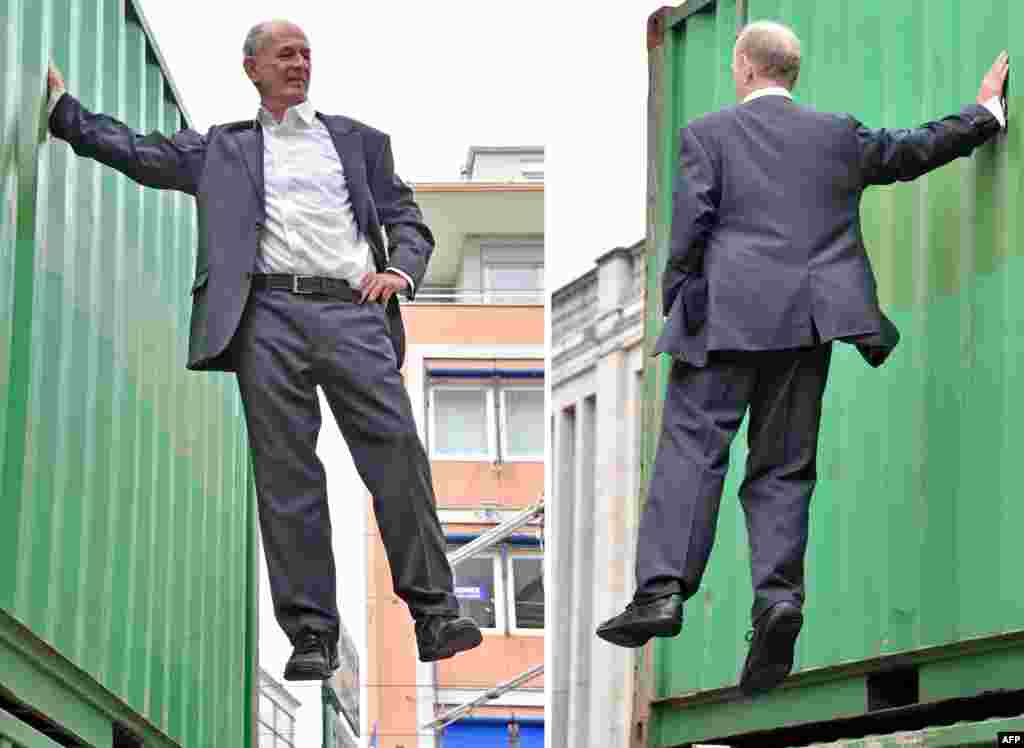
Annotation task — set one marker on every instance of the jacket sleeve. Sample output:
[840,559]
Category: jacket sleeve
[695,203]
[410,242]
[152,160]
[887,156]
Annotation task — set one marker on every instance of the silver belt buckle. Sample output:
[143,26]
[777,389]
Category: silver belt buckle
[295,284]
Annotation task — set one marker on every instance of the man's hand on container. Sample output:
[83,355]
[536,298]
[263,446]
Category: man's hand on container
[54,80]
[995,78]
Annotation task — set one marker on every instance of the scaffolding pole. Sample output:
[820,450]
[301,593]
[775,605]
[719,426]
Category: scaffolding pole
[457,713]
[496,534]
[486,541]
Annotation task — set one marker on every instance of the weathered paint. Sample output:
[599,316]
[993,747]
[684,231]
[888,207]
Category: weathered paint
[127,540]
[916,517]
[980,734]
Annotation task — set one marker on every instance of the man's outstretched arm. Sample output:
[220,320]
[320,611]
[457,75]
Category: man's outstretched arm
[888,155]
[151,160]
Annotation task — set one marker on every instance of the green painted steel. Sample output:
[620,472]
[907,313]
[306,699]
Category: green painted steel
[127,535]
[916,519]
[961,735]
[16,734]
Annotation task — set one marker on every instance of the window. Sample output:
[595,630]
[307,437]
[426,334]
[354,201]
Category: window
[523,423]
[527,592]
[525,281]
[462,423]
[502,590]
[477,588]
[485,419]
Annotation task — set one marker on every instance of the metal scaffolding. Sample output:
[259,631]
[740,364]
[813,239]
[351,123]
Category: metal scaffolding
[458,712]
[497,534]
[486,541]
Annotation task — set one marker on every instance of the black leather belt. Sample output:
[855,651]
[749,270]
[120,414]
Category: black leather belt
[306,284]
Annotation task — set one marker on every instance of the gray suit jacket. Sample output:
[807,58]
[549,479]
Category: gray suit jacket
[223,170]
[766,245]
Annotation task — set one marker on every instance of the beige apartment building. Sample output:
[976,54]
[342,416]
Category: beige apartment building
[474,369]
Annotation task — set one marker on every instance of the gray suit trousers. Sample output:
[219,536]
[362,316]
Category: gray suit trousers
[285,347]
[703,410]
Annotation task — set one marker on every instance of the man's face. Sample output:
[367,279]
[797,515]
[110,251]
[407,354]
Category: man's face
[282,67]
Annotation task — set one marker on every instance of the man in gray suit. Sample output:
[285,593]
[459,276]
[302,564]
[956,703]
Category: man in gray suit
[295,289]
[766,269]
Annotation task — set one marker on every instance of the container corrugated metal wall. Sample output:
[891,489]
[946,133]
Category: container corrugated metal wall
[127,535]
[916,520]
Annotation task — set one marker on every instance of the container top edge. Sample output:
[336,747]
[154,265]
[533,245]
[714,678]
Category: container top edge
[179,100]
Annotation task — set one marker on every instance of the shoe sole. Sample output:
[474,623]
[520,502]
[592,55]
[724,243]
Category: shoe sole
[622,638]
[306,671]
[777,661]
[465,637]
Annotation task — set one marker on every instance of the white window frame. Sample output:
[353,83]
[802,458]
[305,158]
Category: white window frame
[492,453]
[280,726]
[500,605]
[504,388]
[511,594]
[490,295]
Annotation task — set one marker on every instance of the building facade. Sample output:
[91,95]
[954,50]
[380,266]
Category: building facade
[474,370]
[504,164]
[276,714]
[596,367]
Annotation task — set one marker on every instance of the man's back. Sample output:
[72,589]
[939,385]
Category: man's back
[786,247]
[767,211]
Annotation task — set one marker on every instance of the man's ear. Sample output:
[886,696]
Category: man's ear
[250,71]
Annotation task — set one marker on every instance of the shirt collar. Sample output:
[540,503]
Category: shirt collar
[770,91]
[304,112]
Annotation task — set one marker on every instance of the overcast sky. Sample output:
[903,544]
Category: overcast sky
[440,77]
[595,189]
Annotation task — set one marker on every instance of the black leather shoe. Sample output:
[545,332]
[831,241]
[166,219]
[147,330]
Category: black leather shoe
[639,622]
[441,637]
[315,657]
[771,648]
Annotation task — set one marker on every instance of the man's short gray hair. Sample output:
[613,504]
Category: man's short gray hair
[773,49]
[258,36]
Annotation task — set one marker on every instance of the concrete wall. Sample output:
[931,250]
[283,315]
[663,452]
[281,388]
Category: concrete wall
[596,363]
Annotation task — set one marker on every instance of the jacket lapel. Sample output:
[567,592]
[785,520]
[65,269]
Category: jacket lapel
[250,141]
[349,145]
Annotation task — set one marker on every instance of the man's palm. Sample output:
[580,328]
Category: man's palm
[54,80]
[992,83]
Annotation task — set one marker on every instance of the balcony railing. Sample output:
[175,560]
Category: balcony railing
[442,295]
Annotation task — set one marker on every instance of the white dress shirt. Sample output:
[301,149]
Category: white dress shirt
[310,228]
[994,105]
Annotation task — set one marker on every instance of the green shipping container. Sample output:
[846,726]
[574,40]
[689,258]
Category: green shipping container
[127,527]
[916,524]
